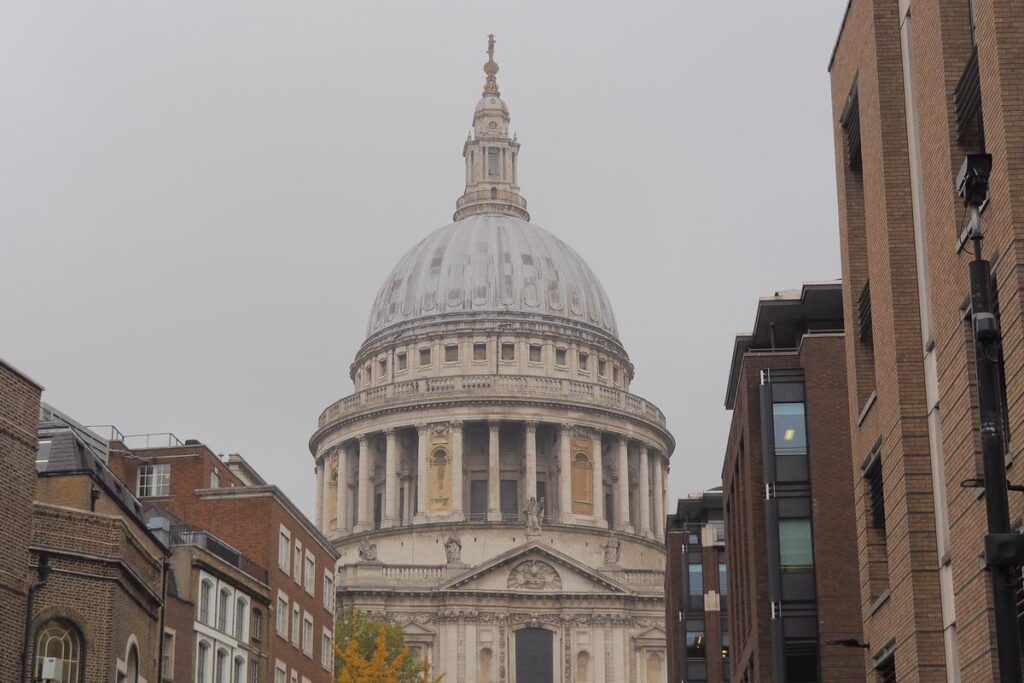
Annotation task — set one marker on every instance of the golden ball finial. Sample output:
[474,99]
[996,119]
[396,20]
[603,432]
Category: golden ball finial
[491,68]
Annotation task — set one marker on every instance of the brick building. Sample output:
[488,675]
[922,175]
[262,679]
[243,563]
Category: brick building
[916,86]
[788,495]
[696,590]
[19,416]
[96,613]
[229,501]
[218,603]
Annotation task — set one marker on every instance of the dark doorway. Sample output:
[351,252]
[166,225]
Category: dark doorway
[509,500]
[378,509]
[534,656]
[478,499]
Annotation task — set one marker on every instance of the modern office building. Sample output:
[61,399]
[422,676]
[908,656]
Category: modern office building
[788,495]
[916,86]
[696,590]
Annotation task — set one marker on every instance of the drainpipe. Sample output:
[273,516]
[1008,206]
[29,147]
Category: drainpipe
[163,615]
[43,572]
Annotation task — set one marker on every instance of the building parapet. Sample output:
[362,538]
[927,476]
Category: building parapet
[415,391]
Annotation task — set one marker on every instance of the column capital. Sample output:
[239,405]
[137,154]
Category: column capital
[566,427]
[422,428]
[455,424]
[494,425]
[531,425]
[363,439]
[390,432]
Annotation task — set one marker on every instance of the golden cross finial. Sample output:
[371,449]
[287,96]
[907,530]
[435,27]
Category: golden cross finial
[491,69]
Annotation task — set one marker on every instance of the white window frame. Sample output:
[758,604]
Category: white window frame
[297,566]
[282,669]
[157,478]
[328,589]
[327,655]
[307,634]
[211,610]
[210,663]
[168,653]
[224,622]
[241,611]
[215,479]
[284,550]
[283,615]
[296,624]
[295,676]
[309,574]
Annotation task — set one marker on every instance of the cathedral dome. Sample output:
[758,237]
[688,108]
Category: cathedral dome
[489,264]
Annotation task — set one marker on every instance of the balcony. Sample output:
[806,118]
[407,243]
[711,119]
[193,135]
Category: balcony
[184,534]
[418,392]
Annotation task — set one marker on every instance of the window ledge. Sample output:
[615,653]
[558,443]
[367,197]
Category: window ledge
[879,601]
[867,408]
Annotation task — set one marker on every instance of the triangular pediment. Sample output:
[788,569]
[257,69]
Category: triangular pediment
[534,568]
[414,629]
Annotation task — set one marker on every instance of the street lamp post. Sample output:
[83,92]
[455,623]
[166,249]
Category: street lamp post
[1004,550]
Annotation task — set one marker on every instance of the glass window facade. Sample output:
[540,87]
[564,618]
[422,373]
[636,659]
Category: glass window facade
[796,550]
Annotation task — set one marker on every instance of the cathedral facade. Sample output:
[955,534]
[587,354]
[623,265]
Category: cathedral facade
[492,485]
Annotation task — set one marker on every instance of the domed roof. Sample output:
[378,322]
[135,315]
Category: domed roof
[490,263]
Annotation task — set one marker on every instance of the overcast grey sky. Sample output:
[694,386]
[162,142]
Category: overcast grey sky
[198,200]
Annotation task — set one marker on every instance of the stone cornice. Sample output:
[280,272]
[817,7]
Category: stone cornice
[335,426]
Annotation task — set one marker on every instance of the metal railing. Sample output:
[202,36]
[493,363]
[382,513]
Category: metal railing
[512,386]
[185,534]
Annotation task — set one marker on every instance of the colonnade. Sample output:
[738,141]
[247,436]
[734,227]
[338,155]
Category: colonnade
[577,466]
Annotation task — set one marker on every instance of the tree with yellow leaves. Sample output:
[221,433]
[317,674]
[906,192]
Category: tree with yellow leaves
[371,651]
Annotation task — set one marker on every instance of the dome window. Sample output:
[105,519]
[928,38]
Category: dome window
[602,368]
[584,362]
[615,374]
[480,351]
[535,353]
[508,351]
[401,362]
[383,367]
[560,357]
[424,357]
[451,353]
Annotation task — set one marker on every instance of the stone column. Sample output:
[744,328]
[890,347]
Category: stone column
[363,496]
[598,484]
[659,498]
[391,480]
[321,494]
[531,460]
[565,472]
[421,474]
[494,472]
[340,494]
[457,476]
[645,493]
[341,523]
[622,489]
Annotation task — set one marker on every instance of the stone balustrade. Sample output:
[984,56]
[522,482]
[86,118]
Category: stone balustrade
[416,391]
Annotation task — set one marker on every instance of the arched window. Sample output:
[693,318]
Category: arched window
[241,609]
[257,624]
[223,603]
[59,639]
[202,661]
[205,593]
[221,667]
[239,675]
[132,665]
[494,193]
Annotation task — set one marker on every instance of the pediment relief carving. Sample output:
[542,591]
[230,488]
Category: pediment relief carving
[534,575]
